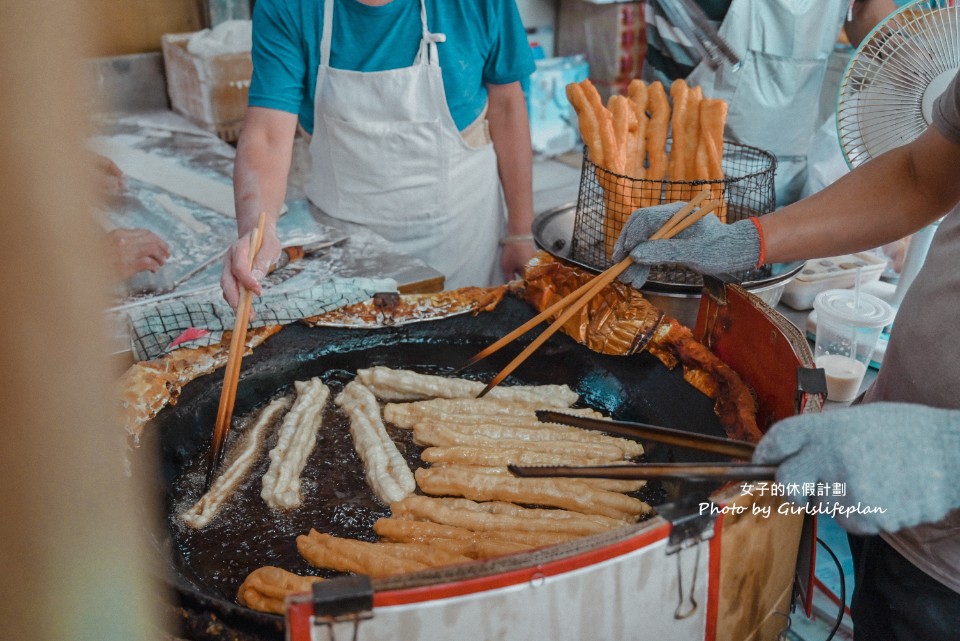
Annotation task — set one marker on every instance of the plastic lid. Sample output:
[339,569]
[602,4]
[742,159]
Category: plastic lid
[838,305]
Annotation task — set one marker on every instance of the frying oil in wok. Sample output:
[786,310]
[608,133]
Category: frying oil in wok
[247,534]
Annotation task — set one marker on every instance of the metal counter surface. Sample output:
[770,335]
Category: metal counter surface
[166,159]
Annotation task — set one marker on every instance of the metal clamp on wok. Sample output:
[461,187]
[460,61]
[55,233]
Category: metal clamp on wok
[811,383]
[691,525]
[312,616]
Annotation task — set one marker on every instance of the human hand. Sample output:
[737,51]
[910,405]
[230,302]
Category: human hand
[136,250]
[235,272]
[110,179]
[708,246]
[898,462]
[515,256]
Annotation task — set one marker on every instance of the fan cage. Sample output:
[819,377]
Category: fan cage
[881,97]
[607,199]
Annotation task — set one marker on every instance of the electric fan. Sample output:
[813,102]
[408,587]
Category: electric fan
[888,89]
[886,100]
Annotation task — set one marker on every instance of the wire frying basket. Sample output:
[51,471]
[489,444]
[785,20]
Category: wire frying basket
[606,200]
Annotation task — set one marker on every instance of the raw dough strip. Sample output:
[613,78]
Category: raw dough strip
[407,531]
[203,511]
[386,470]
[499,515]
[428,434]
[491,484]
[404,385]
[533,432]
[265,588]
[372,559]
[298,436]
[182,214]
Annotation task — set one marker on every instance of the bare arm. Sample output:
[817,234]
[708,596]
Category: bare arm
[259,184]
[510,133]
[888,198]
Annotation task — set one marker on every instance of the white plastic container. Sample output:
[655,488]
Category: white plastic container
[838,272]
[848,328]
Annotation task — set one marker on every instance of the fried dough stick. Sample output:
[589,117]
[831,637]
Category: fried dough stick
[402,414]
[408,417]
[203,511]
[619,191]
[372,559]
[403,385]
[611,149]
[691,126]
[298,436]
[387,472]
[713,118]
[447,436]
[478,549]
[588,122]
[491,484]
[501,457]
[624,123]
[265,588]
[679,94]
[613,485]
[638,95]
[407,531]
[691,141]
[499,515]
[656,139]
[534,432]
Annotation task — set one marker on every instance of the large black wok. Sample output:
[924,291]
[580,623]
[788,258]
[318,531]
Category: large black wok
[205,568]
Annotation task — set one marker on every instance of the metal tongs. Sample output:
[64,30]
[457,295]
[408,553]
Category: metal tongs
[732,471]
[688,18]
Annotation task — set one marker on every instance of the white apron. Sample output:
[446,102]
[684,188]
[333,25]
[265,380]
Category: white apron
[387,154]
[783,46]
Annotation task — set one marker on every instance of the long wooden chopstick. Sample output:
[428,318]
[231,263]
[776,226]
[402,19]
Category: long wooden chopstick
[577,293]
[674,226]
[231,374]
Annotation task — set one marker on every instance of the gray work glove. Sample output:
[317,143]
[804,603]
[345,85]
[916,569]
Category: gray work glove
[709,246]
[897,457]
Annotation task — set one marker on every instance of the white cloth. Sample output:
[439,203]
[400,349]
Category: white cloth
[825,162]
[387,154]
[783,46]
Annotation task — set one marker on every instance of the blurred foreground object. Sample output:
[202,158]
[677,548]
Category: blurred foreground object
[69,528]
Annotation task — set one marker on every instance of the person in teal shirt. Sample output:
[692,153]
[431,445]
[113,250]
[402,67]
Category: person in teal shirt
[486,43]
[478,57]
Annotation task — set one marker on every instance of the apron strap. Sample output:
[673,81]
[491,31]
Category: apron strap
[428,41]
[327,34]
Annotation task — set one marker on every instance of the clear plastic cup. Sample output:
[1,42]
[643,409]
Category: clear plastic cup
[849,324]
